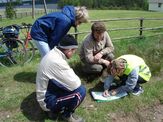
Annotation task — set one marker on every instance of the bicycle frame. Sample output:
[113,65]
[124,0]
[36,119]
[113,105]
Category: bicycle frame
[27,35]
[30,48]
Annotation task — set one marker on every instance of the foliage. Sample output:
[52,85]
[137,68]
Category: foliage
[87,3]
[62,3]
[10,12]
[105,4]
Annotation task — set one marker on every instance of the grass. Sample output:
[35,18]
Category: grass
[17,83]
[109,14]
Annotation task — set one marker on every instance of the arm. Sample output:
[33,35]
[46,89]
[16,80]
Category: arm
[107,84]
[88,46]
[64,75]
[109,45]
[131,81]
[106,49]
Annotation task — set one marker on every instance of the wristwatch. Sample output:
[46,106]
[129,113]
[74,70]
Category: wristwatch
[102,52]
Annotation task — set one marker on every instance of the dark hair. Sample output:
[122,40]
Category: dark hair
[98,27]
[68,42]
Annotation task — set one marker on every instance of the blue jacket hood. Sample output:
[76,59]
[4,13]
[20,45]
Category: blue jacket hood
[69,11]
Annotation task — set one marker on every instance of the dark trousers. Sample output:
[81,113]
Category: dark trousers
[65,101]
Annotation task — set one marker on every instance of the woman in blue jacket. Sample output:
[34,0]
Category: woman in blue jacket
[49,29]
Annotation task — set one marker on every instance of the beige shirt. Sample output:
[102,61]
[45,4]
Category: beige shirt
[90,47]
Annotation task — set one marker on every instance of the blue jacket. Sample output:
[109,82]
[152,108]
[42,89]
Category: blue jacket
[52,27]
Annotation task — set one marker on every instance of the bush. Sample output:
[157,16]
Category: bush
[10,12]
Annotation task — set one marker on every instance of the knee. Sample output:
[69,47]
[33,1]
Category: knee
[111,56]
[96,68]
[82,91]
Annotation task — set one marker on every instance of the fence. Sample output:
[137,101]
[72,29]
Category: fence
[140,28]
[28,13]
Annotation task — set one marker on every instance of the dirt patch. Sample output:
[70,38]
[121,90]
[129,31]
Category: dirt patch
[7,114]
[150,114]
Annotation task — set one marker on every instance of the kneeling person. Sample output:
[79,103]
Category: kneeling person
[131,71]
[97,49]
[58,88]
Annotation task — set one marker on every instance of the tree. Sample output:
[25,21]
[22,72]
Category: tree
[62,3]
[87,3]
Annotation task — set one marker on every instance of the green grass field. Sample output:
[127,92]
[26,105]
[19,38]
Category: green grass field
[17,83]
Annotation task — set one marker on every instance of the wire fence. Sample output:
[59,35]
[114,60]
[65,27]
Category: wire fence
[20,14]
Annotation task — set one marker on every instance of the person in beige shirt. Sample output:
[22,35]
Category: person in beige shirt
[96,50]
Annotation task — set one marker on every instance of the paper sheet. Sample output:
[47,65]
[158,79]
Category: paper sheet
[99,97]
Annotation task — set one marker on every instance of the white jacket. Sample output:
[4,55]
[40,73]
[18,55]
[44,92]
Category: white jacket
[54,66]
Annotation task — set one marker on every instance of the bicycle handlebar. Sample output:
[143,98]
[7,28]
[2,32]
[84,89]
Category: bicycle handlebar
[25,25]
[1,28]
[22,26]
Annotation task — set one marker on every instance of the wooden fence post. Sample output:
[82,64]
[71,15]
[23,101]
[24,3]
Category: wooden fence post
[141,27]
[76,35]
[33,9]
[0,17]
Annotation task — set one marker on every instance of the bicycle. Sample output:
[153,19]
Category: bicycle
[12,50]
[29,46]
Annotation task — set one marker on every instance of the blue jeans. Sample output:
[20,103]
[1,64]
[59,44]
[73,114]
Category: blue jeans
[140,81]
[43,47]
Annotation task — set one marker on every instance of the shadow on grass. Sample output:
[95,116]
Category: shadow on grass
[25,77]
[78,69]
[98,87]
[31,109]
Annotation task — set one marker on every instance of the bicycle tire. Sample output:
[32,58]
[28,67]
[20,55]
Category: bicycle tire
[19,53]
[5,59]
[30,50]
[12,55]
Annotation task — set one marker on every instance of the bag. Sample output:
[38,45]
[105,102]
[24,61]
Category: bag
[11,43]
[11,31]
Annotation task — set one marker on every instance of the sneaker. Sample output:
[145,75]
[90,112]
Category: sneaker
[73,118]
[138,91]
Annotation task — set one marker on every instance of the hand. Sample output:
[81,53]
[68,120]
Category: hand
[106,62]
[97,56]
[113,92]
[106,93]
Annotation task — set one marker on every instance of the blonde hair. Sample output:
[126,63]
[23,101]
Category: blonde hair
[82,13]
[118,63]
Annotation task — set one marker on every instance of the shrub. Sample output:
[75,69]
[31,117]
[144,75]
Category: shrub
[10,12]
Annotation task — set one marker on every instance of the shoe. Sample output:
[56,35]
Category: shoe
[138,91]
[73,118]
[52,115]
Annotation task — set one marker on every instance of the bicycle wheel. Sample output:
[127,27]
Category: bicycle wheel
[18,52]
[11,52]
[30,49]
[4,55]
